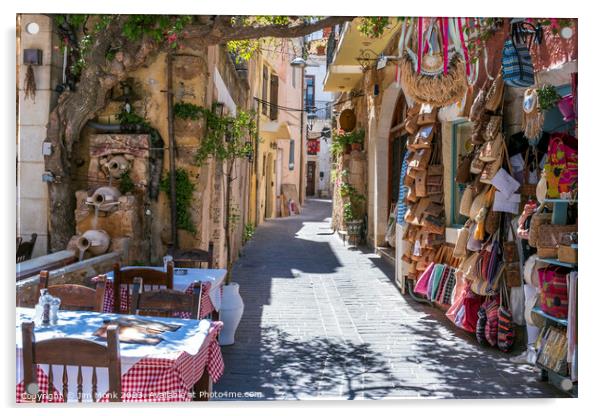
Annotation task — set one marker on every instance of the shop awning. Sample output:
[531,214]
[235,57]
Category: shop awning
[275,130]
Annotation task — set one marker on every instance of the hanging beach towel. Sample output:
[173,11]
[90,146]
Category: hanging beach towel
[402,207]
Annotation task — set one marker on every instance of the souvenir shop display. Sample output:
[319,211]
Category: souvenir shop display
[516,252]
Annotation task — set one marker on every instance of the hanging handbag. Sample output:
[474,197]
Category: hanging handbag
[411,121]
[505,338]
[491,326]
[492,221]
[494,126]
[481,323]
[466,200]
[420,159]
[427,115]
[495,94]
[477,136]
[423,280]
[423,138]
[478,105]
[474,244]
[548,239]
[517,67]
[491,168]
[492,150]
[537,220]
[554,291]
[529,187]
[463,169]
[477,165]
[435,225]
[420,183]
[462,241]
[479,201]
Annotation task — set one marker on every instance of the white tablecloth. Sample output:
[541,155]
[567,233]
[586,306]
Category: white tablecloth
[182,281]
[188,338]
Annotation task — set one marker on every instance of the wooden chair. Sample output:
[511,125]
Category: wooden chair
[75,297]
[125,278]
[72,352]
[194,257]
[164,302]
[24,249]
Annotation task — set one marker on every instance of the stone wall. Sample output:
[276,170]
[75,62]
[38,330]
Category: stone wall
[76,273]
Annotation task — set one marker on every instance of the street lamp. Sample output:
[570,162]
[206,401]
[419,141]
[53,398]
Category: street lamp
[299,62]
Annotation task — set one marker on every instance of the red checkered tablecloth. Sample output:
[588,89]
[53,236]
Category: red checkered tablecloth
[156,379]
[206,306]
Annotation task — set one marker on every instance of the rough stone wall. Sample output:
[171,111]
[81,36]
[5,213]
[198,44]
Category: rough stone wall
[193,82]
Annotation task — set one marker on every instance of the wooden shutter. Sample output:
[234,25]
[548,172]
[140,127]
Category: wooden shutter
[274,97]
[264,90]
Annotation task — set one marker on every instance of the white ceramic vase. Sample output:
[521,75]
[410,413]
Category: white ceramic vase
[230,313]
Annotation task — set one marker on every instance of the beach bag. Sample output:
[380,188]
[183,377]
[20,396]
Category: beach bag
[554,299]
[494,126]
[537,220]
[471,304]
[431,75]
[423,280]
[506,330]
[549,237]
[463,170]
[495,94]
[561,166]
[491,325]
[517,66]
[462,241]
[478,105]
[481,323]
[492,149]
[466,201]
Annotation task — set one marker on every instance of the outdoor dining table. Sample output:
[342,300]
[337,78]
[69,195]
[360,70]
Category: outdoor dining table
[166,371]
[212,281]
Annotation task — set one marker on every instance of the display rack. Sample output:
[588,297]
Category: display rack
[560,381]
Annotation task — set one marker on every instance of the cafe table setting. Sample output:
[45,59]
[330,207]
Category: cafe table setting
[163,366]
[212,281]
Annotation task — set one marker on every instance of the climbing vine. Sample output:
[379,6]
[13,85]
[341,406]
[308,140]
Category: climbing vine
[227,136]
[184,190]
[187,111]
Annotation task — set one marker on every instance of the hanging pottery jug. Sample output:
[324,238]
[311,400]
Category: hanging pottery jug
[105,198]
[96,242]
[230,313]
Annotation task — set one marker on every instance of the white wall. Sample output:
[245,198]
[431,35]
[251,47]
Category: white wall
[321,97]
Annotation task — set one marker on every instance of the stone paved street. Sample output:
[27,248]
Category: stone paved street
[325,321]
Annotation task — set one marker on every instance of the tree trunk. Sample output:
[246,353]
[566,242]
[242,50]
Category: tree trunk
[74,109]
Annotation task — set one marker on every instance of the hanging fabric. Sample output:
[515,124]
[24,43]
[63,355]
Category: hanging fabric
[403,191]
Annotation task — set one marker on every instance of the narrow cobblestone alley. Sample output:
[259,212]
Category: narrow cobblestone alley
[325,321]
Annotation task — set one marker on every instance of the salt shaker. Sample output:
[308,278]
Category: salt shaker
[43,307]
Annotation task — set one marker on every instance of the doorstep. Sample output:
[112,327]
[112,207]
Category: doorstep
[386,253]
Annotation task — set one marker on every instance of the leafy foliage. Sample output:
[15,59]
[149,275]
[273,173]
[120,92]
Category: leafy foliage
[126,184]
[226,136]
[131,119]
[248,232]
[184,190]
[187,111]
[341,140]
[547,97]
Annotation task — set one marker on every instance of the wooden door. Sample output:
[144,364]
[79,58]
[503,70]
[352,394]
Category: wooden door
[311,179]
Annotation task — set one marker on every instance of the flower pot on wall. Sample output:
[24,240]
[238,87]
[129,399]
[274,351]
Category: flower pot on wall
[230,313]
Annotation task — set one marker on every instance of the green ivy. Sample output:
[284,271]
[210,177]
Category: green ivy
[126,184]
[227,137]
[248,232]
[184,190]
[187,111]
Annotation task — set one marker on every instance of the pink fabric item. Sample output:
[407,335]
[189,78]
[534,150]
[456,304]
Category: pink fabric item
[419,45]
[464,49]
[423,280]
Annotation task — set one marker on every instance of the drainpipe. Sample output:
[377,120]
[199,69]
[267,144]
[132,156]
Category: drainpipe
[172,154]
[257,199]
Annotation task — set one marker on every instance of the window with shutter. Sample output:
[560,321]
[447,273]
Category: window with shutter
[264,91]
[273,97]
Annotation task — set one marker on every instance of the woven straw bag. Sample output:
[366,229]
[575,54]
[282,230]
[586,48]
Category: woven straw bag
[537,220]
[548,239]
[466,201]
[492,149]
[494,125]
[495,94]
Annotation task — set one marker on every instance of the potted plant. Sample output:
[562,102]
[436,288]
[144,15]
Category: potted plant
[547,97]
[356,139]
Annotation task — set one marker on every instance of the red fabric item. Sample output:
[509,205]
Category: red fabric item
[156,379]
[472,303]
[206,306]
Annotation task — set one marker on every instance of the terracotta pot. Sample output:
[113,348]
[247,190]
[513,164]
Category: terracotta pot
[106,198]
[96,242]
[356,146]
